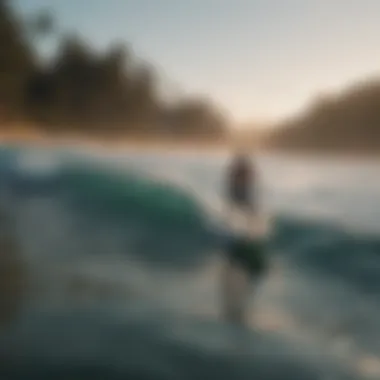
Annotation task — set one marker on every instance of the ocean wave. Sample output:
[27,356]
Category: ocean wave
[77,213]
[172,222]
[166,223]
[149,345]
[329,249]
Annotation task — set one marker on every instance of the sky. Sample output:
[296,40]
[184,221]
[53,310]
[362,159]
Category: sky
[261,60]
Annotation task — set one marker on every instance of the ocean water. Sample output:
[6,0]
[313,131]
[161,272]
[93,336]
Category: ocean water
[121,268]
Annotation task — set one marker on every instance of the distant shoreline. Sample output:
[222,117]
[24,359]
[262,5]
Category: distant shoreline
[328,154]
[30,136]
[131,143]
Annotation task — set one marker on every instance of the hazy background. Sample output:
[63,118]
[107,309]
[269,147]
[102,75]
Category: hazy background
[260,59]
[307,68]
[111,251]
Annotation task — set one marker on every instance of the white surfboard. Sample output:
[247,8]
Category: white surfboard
[243,223]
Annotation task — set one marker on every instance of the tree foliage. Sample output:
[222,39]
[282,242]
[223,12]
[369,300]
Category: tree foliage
[86,91]
[16,64]
[349,121]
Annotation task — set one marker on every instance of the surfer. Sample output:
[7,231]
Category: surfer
[244,262]
[240,183]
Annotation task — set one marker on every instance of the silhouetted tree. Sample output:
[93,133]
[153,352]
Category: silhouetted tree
[346,122]
[88,92]
[43,24]
[16,63]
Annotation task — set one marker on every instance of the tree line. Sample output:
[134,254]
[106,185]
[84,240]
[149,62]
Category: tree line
[84,91]
[348,121]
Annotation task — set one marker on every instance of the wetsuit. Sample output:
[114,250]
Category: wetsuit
[240,183]
[244,255]
[244,251]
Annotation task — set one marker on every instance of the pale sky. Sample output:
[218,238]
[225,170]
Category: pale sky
[259,59]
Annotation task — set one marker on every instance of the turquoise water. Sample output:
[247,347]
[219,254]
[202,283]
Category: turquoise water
[124,264]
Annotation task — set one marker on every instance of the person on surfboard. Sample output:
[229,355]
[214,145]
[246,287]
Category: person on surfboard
[244,260]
